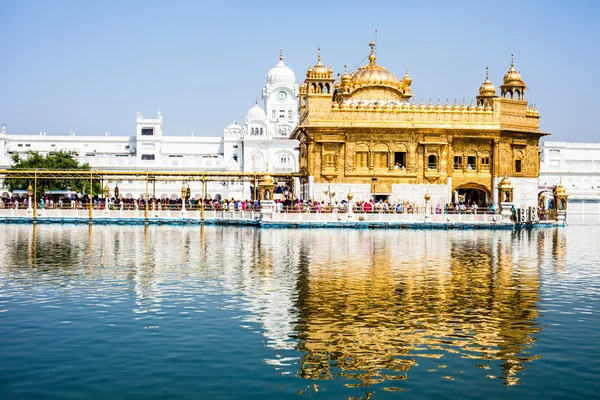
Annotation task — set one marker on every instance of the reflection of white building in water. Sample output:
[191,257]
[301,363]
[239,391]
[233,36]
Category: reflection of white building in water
[578,166]
[261,144]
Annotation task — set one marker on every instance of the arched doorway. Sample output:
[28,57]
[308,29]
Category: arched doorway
[472,193]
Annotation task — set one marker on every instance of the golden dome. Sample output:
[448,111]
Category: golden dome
[560,189]
[487,88]
[427,196]
[373,74]
[407,80]
[505,182]
[346,77]
[267,179]
[513,77]
[319,68]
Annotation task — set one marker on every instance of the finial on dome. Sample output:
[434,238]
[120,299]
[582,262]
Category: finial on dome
[319,56]
[345,66]
[256,101]
[486,73]
[512,60]
[372,56]
[280,54]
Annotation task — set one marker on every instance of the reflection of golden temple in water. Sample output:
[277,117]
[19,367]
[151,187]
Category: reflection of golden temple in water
[374,316]
[368,306]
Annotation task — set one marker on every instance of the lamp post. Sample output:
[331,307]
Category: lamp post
[350,196]
[106,194]
[29,205]
[427,207]
[329,193]
[183,195]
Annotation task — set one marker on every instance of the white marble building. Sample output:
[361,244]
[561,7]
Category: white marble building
[261,144]
[577,165]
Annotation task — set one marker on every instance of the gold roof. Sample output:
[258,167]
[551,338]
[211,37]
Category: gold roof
[505,182]
[319,70]
[513,77]
[376,81]
[487,88]
[560,189]
[373,74]
[267,179]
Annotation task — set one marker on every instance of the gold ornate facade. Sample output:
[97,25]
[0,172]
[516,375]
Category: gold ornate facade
[362,131]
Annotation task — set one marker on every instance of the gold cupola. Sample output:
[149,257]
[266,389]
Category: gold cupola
[487,91]
[319,70]
[513,84]
[407,80]
[374,82]
[319,79]
[487,88]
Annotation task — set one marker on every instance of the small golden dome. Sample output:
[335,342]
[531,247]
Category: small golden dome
[513,77]
[560,189]
[505,183]
[350,196]
[319,68]
[427,196]
[267,179]
[407,80]
[487,88]
[346,77]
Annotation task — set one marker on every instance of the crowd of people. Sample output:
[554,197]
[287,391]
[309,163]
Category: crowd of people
[281,205]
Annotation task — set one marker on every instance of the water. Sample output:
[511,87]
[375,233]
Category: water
[224,312]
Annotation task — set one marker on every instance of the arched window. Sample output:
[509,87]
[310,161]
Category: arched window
[313,88]
[261,131]
[326,88]
[251,131]
[320,88]
[432,162]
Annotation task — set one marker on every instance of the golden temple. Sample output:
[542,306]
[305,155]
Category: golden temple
[361,134]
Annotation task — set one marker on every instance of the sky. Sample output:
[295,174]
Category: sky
[89,66]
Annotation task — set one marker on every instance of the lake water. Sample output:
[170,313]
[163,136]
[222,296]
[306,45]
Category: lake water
[216,312]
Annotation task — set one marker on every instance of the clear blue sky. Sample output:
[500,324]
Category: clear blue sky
[90,65]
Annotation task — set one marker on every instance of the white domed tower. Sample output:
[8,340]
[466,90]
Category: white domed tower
[256,122]
[234,130]
[280,95]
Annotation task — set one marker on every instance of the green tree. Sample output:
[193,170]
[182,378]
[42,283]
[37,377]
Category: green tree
[61,160]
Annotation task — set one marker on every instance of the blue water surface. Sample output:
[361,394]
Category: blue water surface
[227,312]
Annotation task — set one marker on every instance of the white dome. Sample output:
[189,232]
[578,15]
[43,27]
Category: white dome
[256,114]
[280,75]
[234,126]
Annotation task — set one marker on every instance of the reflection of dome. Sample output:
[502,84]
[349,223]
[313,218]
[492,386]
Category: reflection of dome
[280,75]
[256,114]
[487,88]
